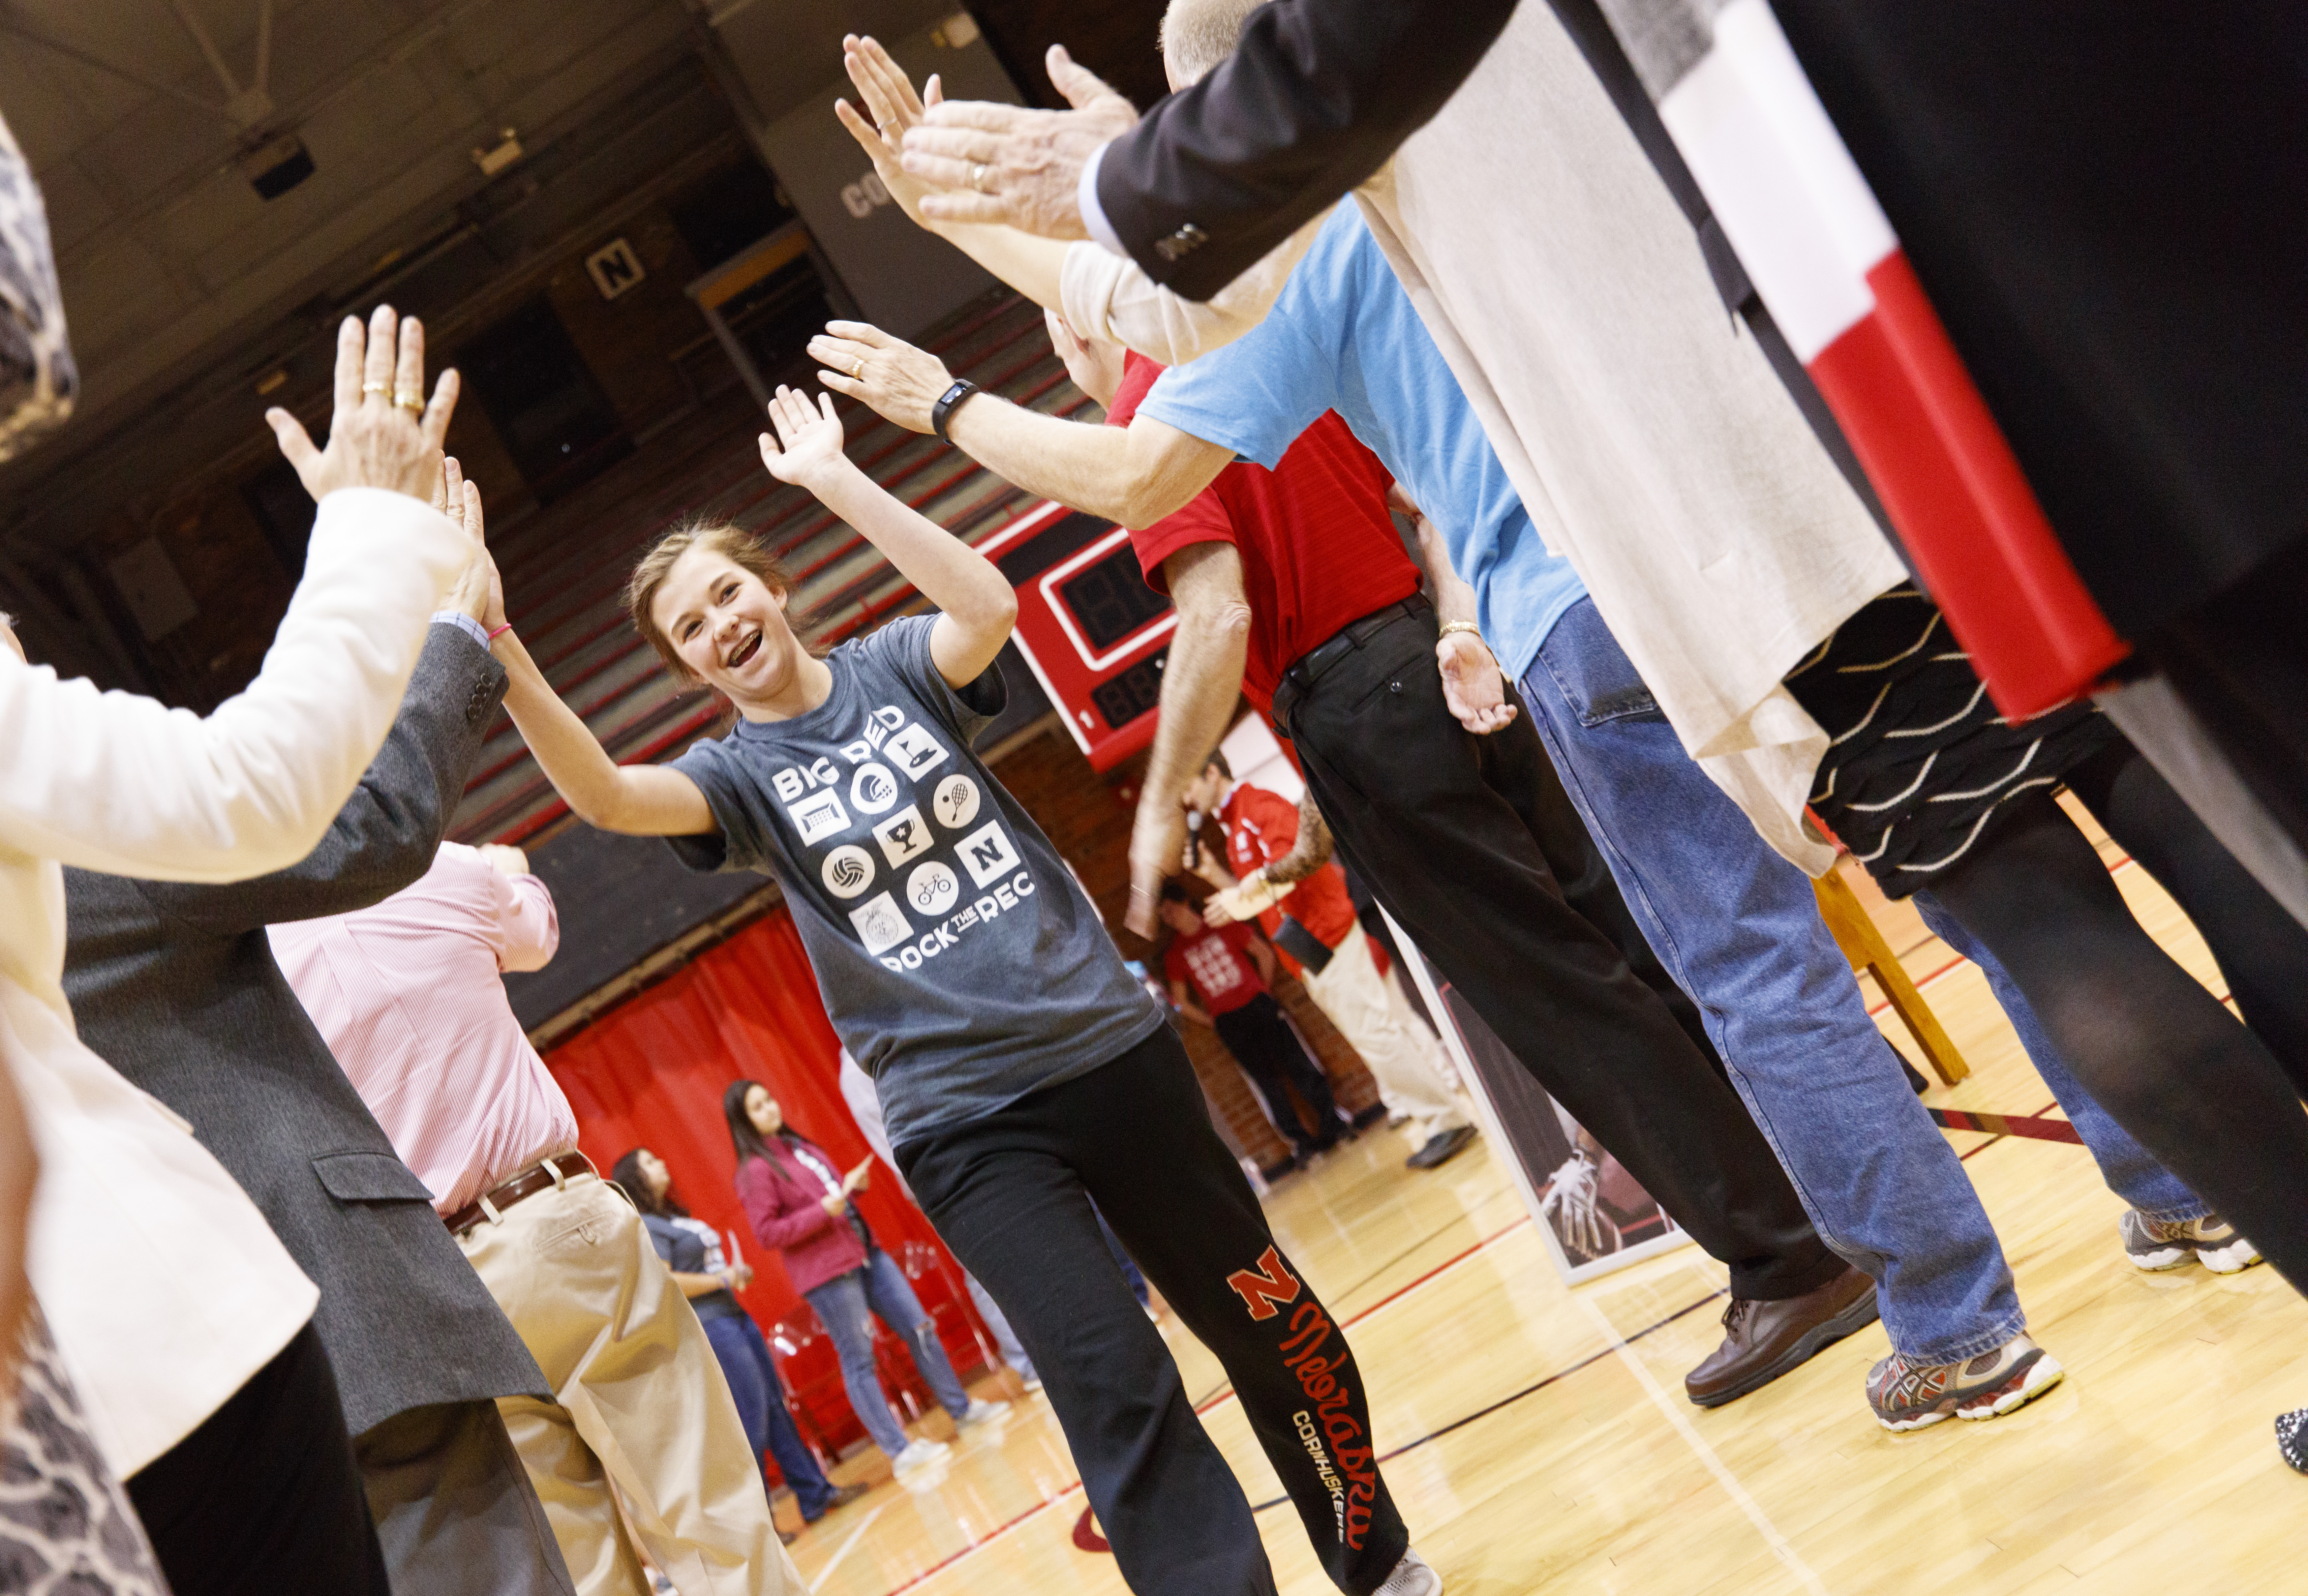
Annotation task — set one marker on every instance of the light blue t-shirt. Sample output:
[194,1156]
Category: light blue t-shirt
[1343,336]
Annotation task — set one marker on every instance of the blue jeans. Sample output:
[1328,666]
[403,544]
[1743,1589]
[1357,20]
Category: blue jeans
[1738,928]
[842,1304]
[761,1409]
[2129,1170]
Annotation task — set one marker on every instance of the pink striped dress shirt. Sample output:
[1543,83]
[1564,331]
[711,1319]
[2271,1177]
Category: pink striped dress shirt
[407,994]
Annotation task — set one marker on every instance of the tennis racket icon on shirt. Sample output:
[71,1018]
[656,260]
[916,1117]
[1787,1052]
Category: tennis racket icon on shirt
[955,802]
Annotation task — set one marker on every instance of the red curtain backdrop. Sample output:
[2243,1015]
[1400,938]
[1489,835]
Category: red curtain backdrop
[651,1073]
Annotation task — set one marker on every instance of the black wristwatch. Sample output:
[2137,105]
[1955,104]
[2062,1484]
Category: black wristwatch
[948,402]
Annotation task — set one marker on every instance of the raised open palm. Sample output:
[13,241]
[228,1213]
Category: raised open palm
[808,441]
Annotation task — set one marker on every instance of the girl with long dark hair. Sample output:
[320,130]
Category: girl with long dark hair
[691,1250]
[798,1201]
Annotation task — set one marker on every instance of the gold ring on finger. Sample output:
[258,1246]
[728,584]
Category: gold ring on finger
[410,399]
[376,387]
[977,177]
[858,370]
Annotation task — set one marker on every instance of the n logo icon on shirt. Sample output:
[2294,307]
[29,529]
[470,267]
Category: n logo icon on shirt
[986,854]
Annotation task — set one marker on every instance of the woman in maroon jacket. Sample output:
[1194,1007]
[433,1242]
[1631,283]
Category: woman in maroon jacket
[799,1202]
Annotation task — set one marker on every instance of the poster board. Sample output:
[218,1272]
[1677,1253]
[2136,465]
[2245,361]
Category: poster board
[1535,1138]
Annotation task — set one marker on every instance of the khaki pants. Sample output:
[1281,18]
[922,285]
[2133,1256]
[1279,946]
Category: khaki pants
[642,1404]
[1404,1057]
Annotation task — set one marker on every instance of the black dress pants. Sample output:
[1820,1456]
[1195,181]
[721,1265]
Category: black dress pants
[265,1496]
[1472,844]
[1011,1194]
[1262,1042]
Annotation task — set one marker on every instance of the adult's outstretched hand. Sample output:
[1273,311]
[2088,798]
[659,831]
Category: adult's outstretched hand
[899,382]
[384,433]
[1005,163]
[891,109]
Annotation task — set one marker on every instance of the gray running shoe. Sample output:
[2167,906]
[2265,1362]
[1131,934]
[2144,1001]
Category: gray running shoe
[1909,1395]
[2211,1241]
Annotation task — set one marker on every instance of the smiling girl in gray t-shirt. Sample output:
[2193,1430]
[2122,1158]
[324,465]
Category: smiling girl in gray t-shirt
[1022,1069]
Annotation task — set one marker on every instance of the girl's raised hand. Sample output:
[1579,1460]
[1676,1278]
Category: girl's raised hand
[808,441]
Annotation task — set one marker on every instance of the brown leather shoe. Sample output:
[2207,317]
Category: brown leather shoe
[1763,1340]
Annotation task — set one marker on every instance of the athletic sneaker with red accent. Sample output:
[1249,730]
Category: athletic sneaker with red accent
[1411,1578]
[1908,1395]
[2211,1241]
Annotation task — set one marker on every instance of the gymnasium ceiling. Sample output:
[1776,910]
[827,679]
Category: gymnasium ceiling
[183,288]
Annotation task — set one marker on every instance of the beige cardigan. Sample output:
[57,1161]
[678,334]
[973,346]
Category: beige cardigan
[163,1285]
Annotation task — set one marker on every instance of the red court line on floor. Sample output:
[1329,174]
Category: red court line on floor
[1039,1508]
[1992,1141]
[2005,1124]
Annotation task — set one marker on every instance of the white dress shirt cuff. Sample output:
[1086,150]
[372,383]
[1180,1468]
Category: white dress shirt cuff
[463,623]
[1093,214]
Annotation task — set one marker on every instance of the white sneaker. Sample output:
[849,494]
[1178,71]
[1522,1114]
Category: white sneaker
[1411,1578]
[980,1411]
[2210,1241]
[919,1454]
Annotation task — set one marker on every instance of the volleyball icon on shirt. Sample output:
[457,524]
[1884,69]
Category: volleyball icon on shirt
[955,802]
[847,871]
[933,888]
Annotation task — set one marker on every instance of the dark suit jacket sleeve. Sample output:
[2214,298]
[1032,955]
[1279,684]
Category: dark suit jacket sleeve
[1317,95]
[386,834]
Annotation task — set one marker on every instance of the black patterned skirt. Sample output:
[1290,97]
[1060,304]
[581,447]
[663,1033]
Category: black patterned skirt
[1919,766]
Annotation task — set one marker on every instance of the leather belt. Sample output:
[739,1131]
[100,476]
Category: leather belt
[547,1175]
[1299,677]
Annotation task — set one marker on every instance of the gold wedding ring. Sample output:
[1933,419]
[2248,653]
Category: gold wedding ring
[858,369]
[978,175]
[376,387]
[409,400]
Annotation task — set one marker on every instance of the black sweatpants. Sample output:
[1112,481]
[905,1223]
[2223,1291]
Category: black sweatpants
[1471,842]
[1010,1195]
[265,1496]
[1269,1051]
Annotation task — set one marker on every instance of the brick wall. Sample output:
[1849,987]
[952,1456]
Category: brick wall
[1086,818]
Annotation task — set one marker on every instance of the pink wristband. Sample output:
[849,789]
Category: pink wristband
[501,631]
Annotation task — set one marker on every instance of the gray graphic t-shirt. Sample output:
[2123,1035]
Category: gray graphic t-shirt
[959,961]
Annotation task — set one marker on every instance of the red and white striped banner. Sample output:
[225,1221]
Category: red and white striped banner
[1823,257]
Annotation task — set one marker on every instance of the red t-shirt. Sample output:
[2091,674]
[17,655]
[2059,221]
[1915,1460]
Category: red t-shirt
[1318,547]
[1212,962]
[1260,828]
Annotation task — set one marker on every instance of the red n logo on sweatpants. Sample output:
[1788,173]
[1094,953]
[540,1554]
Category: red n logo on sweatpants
[1267,1287]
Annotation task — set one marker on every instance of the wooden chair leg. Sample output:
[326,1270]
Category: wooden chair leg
[1855,933]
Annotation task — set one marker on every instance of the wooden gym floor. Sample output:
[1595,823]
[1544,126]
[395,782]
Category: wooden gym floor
[1544,1442]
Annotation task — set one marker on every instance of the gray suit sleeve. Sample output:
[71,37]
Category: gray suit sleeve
[385,836]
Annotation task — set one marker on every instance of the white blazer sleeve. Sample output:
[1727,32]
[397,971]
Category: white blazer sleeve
[114,782]
[1110,297]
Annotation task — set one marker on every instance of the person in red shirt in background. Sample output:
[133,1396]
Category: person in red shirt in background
[1311,921]
[1236,1002]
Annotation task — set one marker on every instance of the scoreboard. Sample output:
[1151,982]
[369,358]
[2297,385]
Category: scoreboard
[1094,634]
